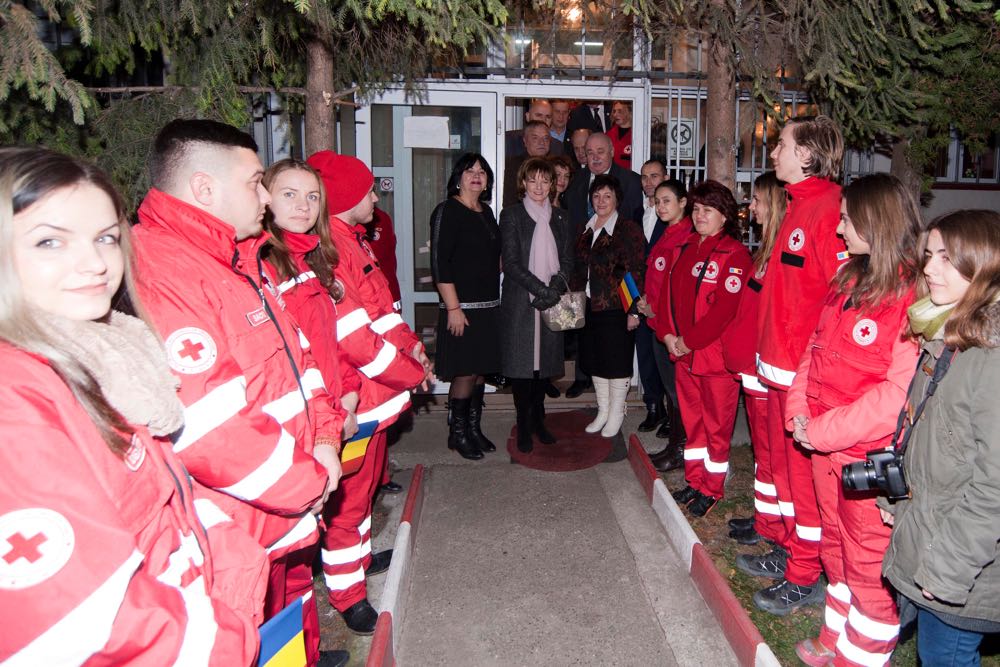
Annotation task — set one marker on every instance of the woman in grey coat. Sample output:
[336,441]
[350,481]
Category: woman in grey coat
[537,259]
[944,557]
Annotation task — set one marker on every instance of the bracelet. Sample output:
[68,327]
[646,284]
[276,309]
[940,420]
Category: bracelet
[455,308]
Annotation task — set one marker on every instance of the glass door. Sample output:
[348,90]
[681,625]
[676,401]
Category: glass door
[411,147]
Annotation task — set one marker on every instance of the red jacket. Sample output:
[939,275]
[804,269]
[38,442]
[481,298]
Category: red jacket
[852,380]
[703,311]
[102,559]
[621,144]
[382,239]
[661,258]
[345,344]
[248,432]
[739,344]
[807,254]
[359,268]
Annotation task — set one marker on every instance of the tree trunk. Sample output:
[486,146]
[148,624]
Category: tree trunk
[721,114]
[320,122]
[903,170]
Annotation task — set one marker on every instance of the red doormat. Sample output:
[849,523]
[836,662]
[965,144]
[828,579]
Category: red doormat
[575,449]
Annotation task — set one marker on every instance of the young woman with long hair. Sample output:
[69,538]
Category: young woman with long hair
[848,389]
[943,557]
[104,559]
[670,203]
[356,363]
[767,206]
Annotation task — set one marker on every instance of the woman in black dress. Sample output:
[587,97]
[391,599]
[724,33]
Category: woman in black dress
[465,261]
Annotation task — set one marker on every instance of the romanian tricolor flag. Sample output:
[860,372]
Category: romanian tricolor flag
[353,451]
[281,642]
[628,291]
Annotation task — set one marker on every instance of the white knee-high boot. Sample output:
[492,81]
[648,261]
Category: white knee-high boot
[601,391]
[617,393]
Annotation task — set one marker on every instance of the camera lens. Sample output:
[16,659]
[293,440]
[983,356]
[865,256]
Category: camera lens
[860,476]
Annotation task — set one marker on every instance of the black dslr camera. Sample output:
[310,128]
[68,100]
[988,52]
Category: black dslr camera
[882,471]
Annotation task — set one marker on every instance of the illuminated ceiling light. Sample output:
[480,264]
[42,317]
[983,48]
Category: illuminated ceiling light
[588,43]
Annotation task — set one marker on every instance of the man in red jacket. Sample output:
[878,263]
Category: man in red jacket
[261,436]
[807,254]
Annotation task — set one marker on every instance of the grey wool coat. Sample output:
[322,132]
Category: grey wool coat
[517,326]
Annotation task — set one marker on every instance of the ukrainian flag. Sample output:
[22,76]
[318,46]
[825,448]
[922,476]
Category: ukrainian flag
[354,449]
[628,291]
[281,641]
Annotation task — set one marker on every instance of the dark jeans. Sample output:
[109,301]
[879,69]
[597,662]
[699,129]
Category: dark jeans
[943,645]
[665,368]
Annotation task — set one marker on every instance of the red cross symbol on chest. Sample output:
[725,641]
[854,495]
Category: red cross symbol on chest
[733,283]
[865,331]
[191,350]
[796,239]
[24,547]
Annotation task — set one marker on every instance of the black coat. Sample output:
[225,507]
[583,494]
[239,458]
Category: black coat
[517,316]
[629,208]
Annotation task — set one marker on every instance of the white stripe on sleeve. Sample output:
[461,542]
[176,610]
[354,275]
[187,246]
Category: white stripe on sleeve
[212,411]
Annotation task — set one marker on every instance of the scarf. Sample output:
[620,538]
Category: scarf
[927,320]
[128,363]
[543,259]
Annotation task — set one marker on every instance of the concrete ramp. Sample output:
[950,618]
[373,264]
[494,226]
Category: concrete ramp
[513,566]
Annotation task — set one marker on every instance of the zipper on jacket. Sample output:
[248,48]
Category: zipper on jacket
[270,314]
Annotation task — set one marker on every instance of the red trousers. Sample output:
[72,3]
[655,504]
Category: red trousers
[347,546]
[791,467]
[861,621]
[708,409]
[291,578]
[767,516]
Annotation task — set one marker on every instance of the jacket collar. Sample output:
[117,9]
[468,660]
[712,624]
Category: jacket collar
[199,229]
[811,187]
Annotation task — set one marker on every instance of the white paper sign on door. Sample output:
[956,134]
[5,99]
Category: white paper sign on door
[426,132]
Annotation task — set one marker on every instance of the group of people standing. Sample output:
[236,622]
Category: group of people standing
[187,386]
[854,328]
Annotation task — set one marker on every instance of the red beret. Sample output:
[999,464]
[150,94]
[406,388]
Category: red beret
[347,179]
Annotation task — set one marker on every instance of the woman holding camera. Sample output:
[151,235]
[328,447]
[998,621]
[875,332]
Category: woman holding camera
[944,556]
[844,401]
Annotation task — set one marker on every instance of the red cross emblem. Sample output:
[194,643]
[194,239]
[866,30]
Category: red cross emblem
[191,350]
[35,543]
[712,271]
[796,240]
[865,332]
[733,284]
[24,547]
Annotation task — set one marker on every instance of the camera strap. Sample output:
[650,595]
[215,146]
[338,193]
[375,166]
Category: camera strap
[906,421]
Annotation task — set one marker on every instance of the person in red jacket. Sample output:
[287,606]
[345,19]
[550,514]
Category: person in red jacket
[767,207]
[102,558]
[807,254]
[245,375]
[382,238]
[848,390]
[672,229]
[699,304]
[358,361]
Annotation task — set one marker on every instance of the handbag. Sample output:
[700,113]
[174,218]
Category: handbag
[569,313]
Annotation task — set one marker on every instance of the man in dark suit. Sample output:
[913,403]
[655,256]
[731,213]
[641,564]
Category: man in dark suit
[538,110]
[600,160]
[594,116]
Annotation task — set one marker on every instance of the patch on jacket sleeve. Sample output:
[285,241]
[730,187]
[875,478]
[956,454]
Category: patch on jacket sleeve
[35,544]
[191,350]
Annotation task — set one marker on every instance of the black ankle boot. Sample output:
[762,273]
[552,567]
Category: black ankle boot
[655,414]
[475,415]
[458,431]
[522,406]
[538,413]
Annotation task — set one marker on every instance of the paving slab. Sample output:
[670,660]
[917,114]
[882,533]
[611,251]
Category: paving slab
[521,567]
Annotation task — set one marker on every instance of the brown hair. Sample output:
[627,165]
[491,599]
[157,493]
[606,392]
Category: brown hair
[771,191]
[28,175]
[716,195]
[972,239]
[822,138]
[532,167]
[324,258]
[884,213]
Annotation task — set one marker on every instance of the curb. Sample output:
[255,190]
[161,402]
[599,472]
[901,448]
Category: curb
[385,640]
[742,634]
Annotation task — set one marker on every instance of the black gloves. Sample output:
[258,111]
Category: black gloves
[546,298]
[559,284]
